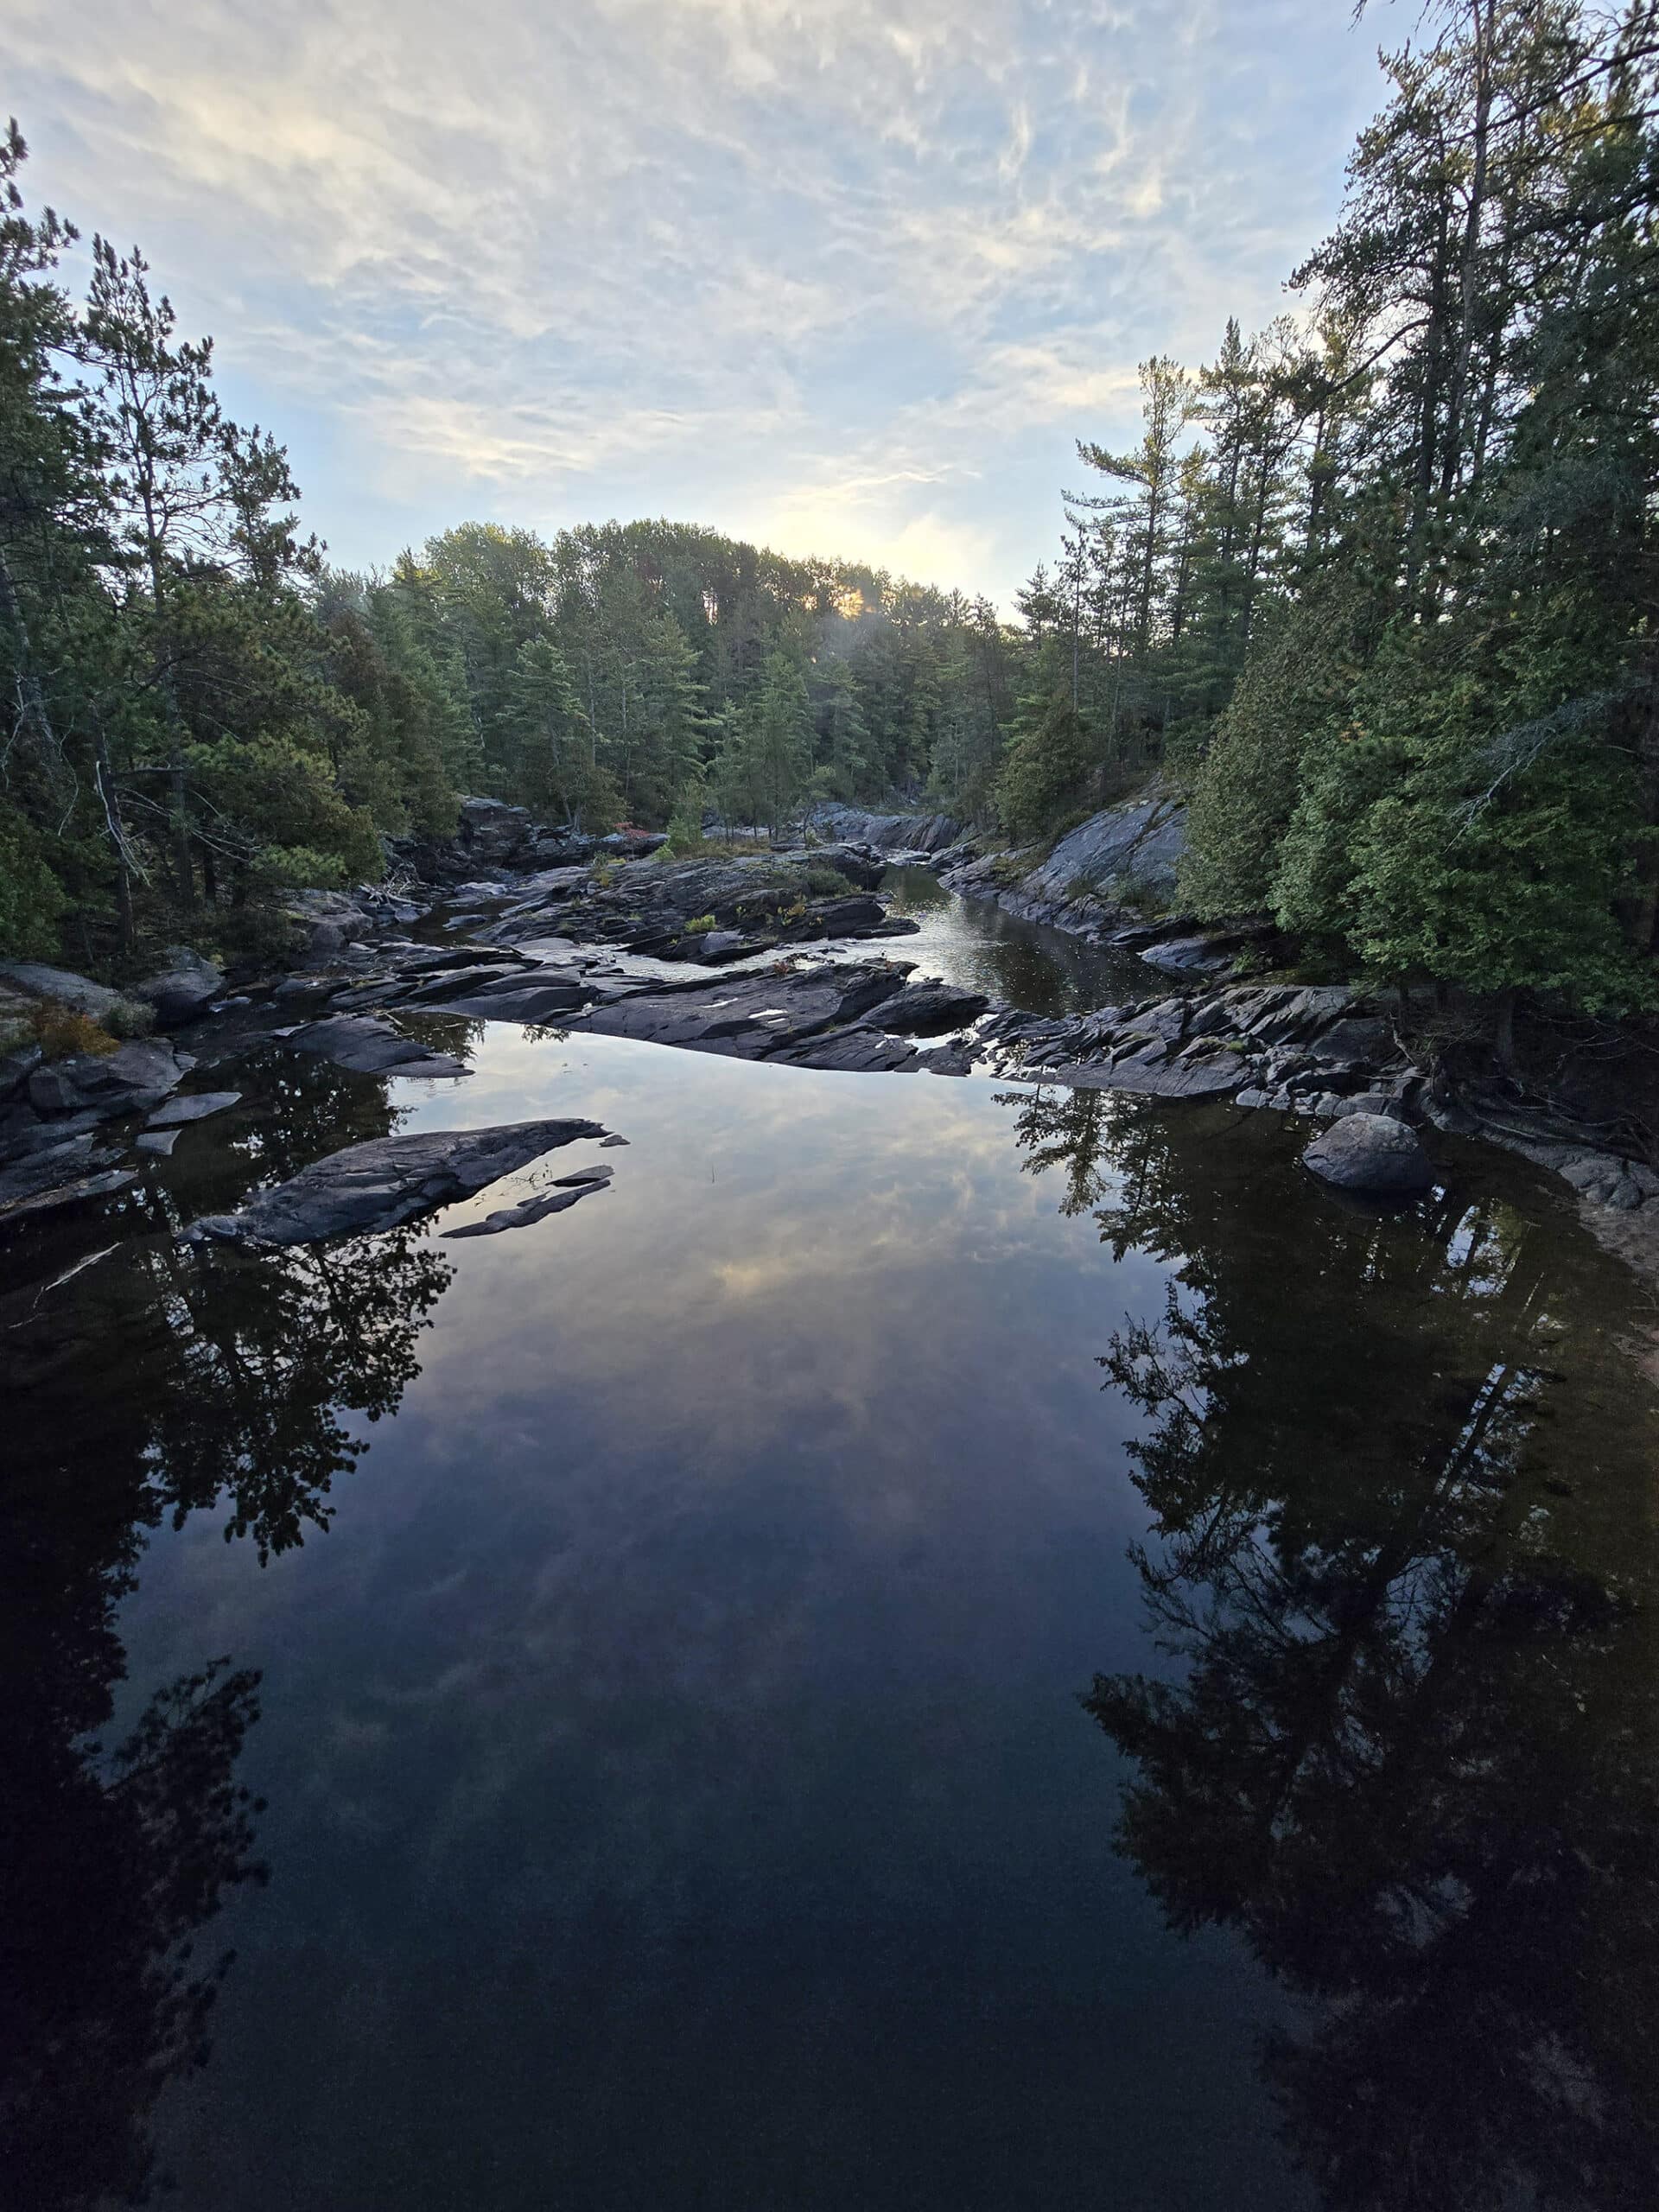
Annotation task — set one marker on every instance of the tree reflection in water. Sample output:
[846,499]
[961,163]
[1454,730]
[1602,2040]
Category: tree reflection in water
[1402,1565]
[170,1379]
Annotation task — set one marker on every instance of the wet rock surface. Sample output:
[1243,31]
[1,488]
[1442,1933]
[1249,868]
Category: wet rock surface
[707,912]
[390,1180]
[926,834]
[371,1047]
[555,930]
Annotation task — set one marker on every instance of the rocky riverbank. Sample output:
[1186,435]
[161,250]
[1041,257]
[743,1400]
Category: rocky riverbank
[621,945]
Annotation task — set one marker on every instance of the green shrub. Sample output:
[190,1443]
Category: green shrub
[31,897]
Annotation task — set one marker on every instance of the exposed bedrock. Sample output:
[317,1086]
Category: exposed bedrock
[391,1180]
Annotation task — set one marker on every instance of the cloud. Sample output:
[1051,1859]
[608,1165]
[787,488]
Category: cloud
[867,264]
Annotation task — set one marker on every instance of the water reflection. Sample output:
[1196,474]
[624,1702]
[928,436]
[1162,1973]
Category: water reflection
[1408,1748]
[980,946]
[171,1379]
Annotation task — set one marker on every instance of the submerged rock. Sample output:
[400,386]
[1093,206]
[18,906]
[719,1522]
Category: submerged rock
[388,1181]
[60,1176]
[1372,1153]
[196,1108]
[564,1194]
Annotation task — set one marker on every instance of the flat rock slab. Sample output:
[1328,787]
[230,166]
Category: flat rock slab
[863,1050]
[1199,1079]
[391,1180]
[749,1017]
[47,1165]
[61,1195]
[517,998]
[369,1046]
[929,1009]
[138,1075]
[196,1108]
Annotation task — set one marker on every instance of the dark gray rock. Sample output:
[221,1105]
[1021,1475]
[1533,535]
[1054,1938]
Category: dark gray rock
[748,1016]
[888,833]
[51,1092]
[1133,848]
[369,1046]
[392,1180]
[159,1142]
[182,988]
[16,1069]
[858,1050]
[47,1164]
[196,1108]
[135,1077]
[1150,1075]
[929,1009]
[1606,1179]
[60,1176]
[521,997]
[96,1001]
[1202,955]
[1370,1153]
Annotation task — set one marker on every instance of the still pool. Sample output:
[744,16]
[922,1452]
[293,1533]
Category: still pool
[938,1645]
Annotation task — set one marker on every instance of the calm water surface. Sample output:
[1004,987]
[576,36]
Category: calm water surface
[936,1646]
[974,943]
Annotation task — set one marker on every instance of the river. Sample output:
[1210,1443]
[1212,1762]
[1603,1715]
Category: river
[938,1645]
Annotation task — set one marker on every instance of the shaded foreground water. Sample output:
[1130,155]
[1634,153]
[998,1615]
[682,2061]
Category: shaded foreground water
[937,1645]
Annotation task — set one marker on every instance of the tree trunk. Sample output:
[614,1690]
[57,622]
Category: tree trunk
[1503,1030]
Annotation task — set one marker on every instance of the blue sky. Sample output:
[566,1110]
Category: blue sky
[847,278]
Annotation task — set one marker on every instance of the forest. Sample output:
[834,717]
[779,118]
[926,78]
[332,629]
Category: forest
[1376,589]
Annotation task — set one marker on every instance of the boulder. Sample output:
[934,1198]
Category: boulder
[182,988]
[96,1001]
[48,1166]
[388,1181]
[1371,1153]
[1606,1179]
[1199,954]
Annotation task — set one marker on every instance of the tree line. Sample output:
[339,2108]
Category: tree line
[1375,587]
[1378,585]
[203,714]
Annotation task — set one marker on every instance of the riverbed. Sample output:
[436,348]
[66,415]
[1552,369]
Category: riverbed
[937,1644]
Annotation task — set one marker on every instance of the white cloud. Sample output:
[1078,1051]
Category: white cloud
[866,264]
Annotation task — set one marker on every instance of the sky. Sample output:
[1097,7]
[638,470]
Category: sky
[847,278]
